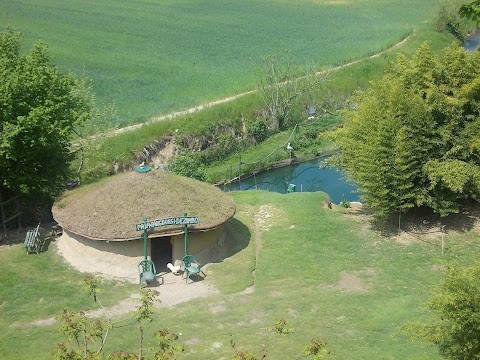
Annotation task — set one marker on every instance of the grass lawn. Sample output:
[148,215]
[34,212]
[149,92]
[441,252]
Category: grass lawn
[327,273]
[152,57]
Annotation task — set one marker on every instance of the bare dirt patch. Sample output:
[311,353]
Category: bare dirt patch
[424,226]
[163,156]
[357,281]
[217,308]
[36,323]
[173,289]
[265,215]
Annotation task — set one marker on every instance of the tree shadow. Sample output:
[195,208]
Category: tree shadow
[48,234]
[13,237]
[424,222]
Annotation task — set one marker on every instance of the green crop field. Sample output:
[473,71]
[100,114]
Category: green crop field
[150,57]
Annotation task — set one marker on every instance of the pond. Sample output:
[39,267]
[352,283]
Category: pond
[472,43]
[306,176]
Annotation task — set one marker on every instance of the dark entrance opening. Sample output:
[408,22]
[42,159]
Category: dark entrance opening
[161,253]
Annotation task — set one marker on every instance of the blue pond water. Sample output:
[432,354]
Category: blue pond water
[307,177]
[472,43]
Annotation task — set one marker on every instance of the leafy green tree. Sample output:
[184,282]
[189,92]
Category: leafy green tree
[39,108]
[456,305]
[382,146]
[411,139]
[471,11]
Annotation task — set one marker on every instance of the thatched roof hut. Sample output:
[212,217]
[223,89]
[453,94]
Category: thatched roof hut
[110,209]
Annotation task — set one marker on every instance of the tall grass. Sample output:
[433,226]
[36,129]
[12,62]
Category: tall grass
[152,57]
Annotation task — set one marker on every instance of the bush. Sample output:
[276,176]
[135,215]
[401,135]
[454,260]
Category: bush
[187,165]
[257,129]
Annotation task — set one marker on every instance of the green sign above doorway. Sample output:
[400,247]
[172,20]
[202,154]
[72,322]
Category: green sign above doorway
[182,220]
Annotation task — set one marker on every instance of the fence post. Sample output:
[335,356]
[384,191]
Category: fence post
[239,172]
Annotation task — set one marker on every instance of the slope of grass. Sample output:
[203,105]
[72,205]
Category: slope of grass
[327,273]
[152,57]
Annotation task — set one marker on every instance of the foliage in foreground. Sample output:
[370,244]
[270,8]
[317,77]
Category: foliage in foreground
[412,138]
[456,304]
[86,338]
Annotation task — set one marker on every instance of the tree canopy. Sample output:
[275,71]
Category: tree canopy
[39,108]
[412,138]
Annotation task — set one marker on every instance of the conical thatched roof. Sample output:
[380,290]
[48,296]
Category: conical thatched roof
[111,208]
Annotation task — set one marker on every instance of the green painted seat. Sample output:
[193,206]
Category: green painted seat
[191,267]
[33,241]
[147,271]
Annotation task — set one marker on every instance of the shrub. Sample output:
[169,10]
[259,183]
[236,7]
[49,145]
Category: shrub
[187,165]
[257,129]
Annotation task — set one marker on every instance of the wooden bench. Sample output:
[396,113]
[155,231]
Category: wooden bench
[33,241]
[191,267]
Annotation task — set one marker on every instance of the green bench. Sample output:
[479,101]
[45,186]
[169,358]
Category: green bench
[147,271]
[33,241]
[191,267]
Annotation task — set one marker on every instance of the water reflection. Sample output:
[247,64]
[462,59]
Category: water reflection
[307,177]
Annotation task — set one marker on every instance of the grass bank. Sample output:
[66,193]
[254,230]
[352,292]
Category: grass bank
[327,273]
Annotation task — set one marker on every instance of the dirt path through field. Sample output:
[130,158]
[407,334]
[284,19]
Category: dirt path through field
[234,97]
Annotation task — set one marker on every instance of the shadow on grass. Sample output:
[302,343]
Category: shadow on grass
[237,238]
[17,236]
[423,222]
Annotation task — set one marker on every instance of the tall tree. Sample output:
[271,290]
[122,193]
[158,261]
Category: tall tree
[39,107]
[411,139]
[382,146]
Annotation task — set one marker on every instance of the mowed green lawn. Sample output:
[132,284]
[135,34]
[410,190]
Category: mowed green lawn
[150,57]
[327,273]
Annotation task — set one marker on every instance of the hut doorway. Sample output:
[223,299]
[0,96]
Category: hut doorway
[161,253]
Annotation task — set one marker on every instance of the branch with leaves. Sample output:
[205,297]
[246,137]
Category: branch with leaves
[315,350]
[86,338]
